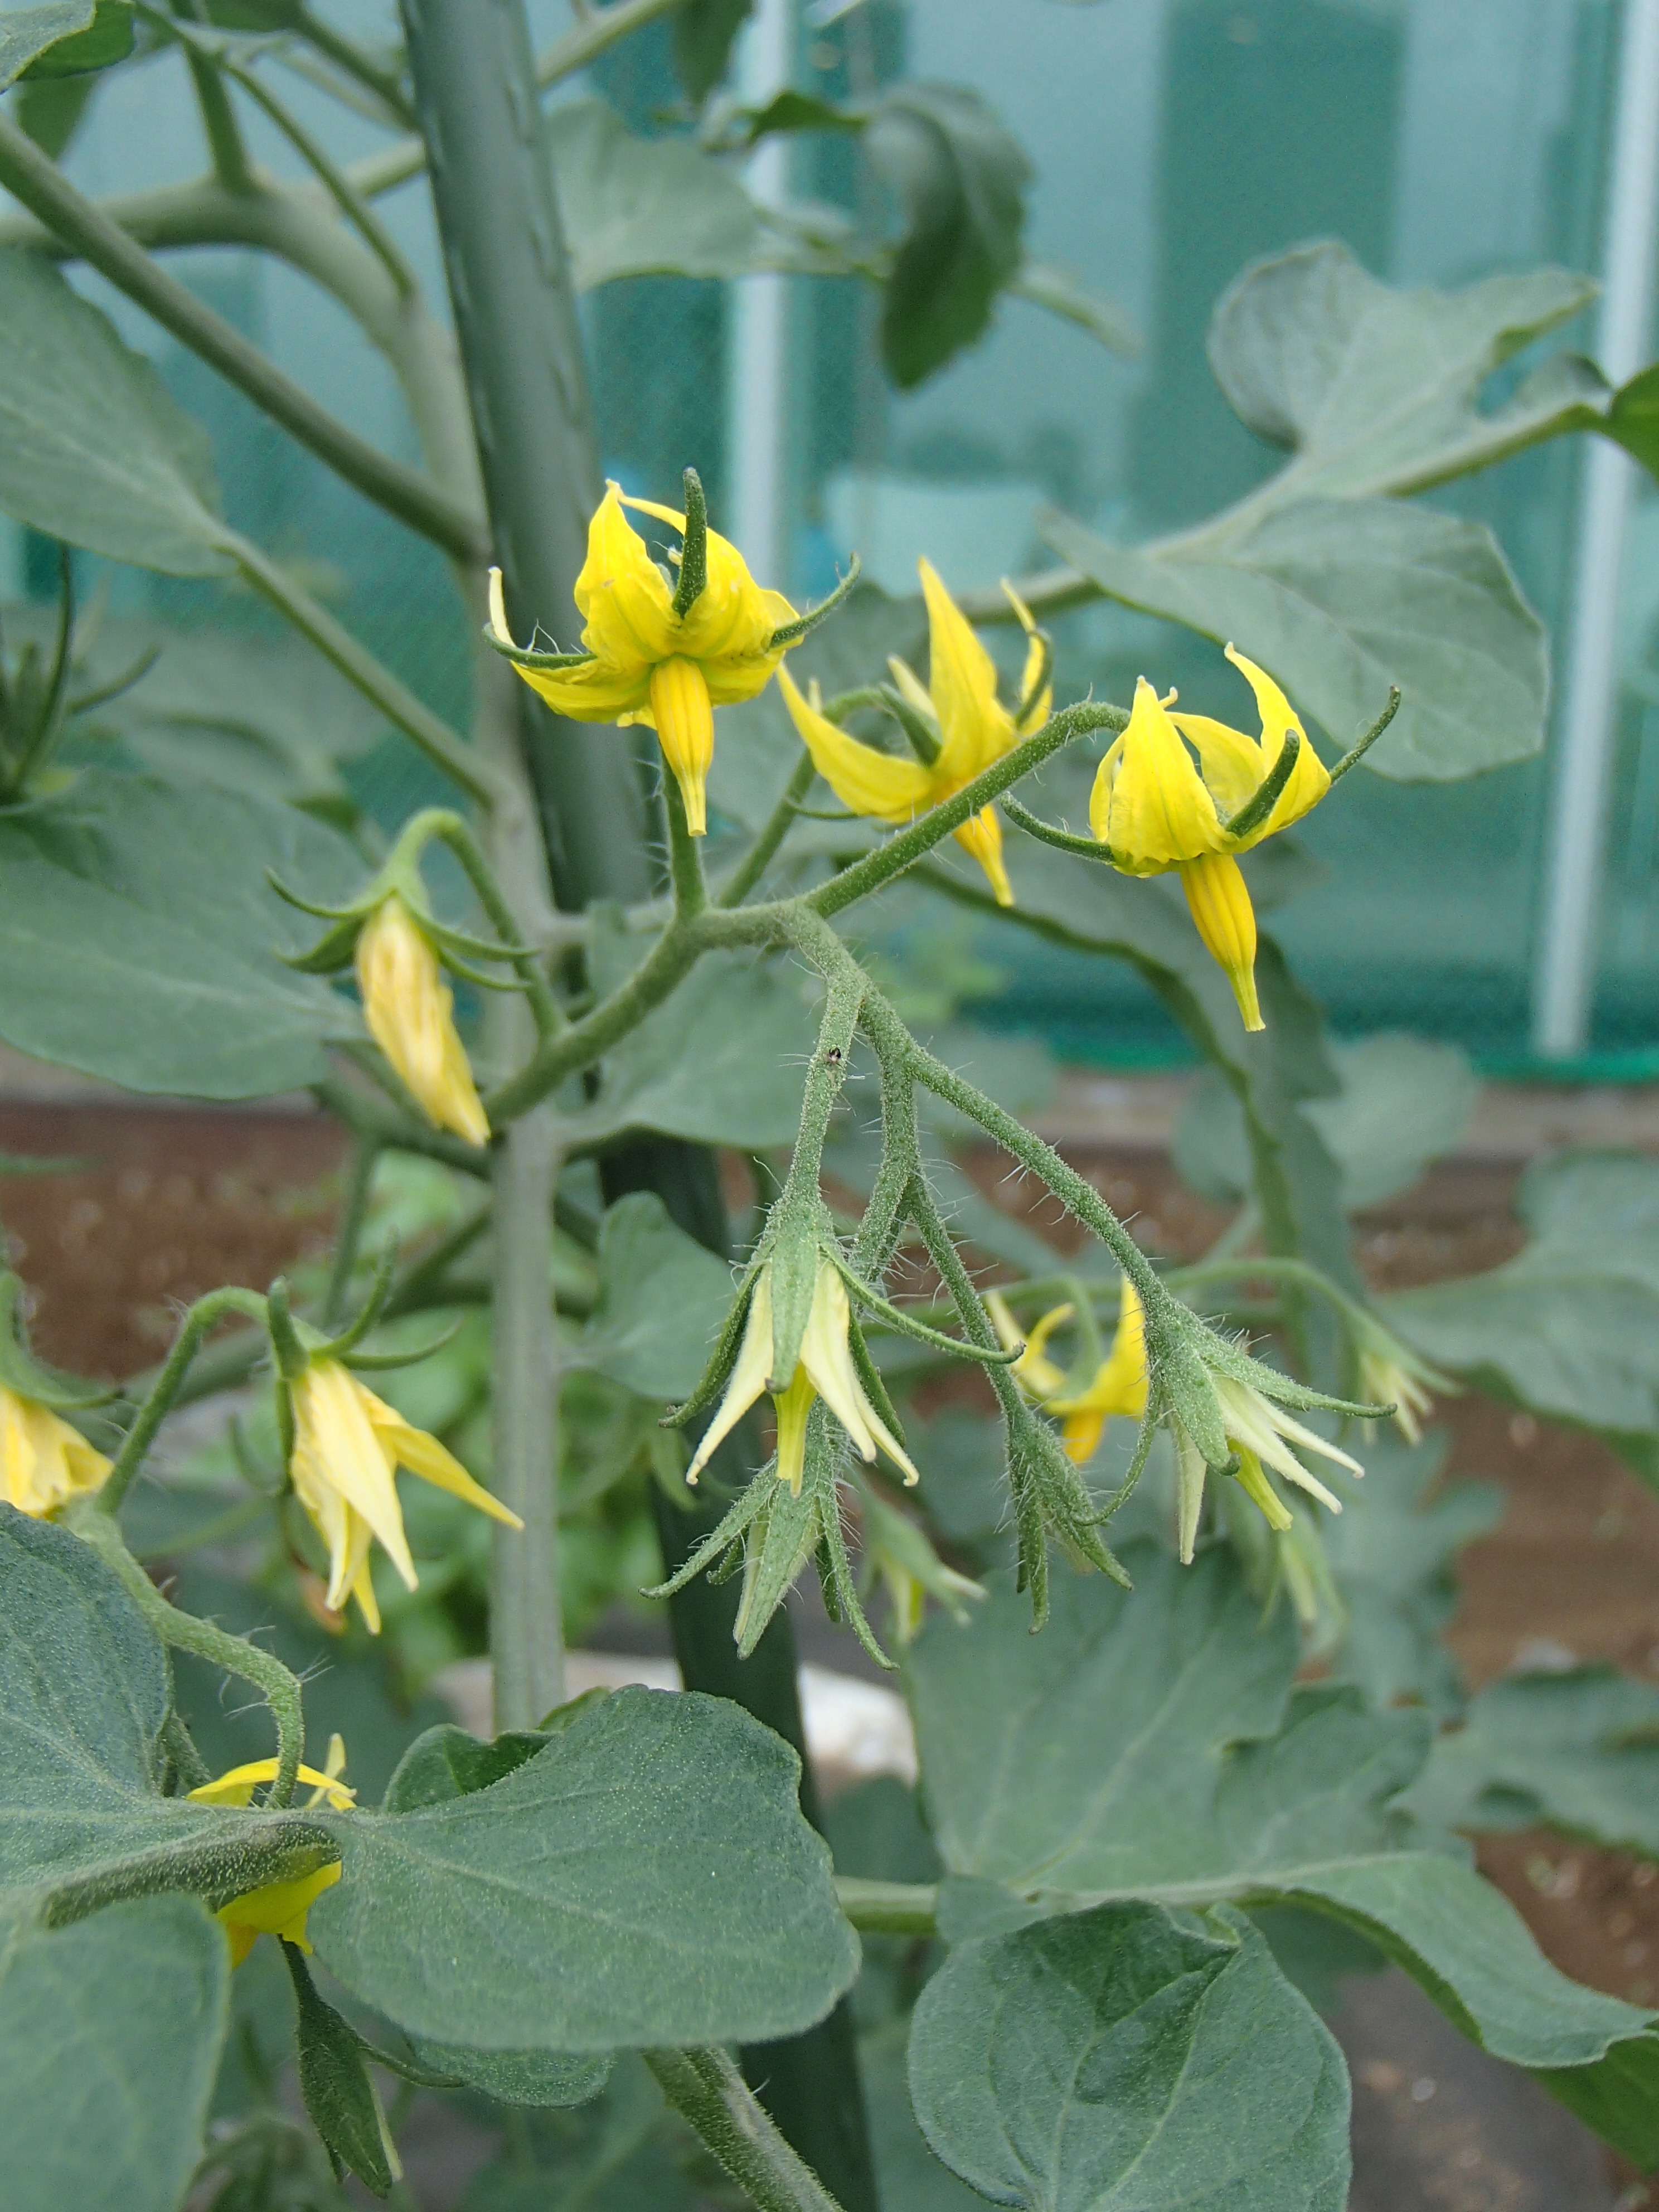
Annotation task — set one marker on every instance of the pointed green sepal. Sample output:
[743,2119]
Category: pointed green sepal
[693,548]
[896,1317]
[804,625]
[1269,792]
[334,2083]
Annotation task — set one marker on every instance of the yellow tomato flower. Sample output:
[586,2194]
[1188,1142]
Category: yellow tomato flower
[278,1908]
[1258,1430]
[648,663]
[237,1785]
[1119,1386]
[410,1011]
[826,1369]
[44,1463]
[1156,811]
[348,1447]
[1034,1369]
[960,706]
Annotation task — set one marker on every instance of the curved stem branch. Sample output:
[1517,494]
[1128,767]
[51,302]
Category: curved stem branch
[42,187]
[182,1632]
[913,844]
[204,1314]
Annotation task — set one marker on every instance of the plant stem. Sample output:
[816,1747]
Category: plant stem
[526,1640]
[365,1153]
[888,1908]
[396,165]
[41,187]
[433,736]
[707,2089]
[182,1632]
[902,852]
[164,1391]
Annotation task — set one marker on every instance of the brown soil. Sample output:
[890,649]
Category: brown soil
[169,1203]
[174,1201]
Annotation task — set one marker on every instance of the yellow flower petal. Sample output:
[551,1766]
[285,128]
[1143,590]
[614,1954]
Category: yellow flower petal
[594,691]
[278,1908]
[1149,802]
[1232,765]
[748,1377]
[1119,1386]
[422,1455]
[872,783]
[975,728]
[410,1011]
[625,601]
[237,1787]
[44,1463]
[1034,1369]
[337,1449]
[793,1405]
[1310,780]
[982,836]
[1220,902]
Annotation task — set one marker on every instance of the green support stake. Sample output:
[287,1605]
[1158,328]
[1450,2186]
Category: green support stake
[521,347]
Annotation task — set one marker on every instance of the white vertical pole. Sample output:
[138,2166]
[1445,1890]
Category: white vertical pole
[1564,973]
[757,366]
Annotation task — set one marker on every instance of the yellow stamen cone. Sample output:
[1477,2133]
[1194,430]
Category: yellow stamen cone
[684,717]
[1221,907]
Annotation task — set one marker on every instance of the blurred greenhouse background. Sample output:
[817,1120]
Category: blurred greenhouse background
[1173,141]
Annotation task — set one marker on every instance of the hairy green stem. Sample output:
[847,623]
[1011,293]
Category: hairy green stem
[685,858]
[182,1632]
[669,961]
[164,1391]
[42,188]
[902,852]
[526,1632]
[705,2087]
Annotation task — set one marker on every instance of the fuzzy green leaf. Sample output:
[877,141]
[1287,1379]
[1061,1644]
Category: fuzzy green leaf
[1569,1326]
[1578,1750]
[1118,2058]
[1375,390]
[1342,598]
[636,207]
[26,34]
[663,1912]
[109,2034]
[139,939]
[721,1063]
[1210,1777]
[92,448]
[662,1300]
[960,179]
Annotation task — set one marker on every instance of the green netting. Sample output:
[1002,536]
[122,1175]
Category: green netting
[1173,142]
